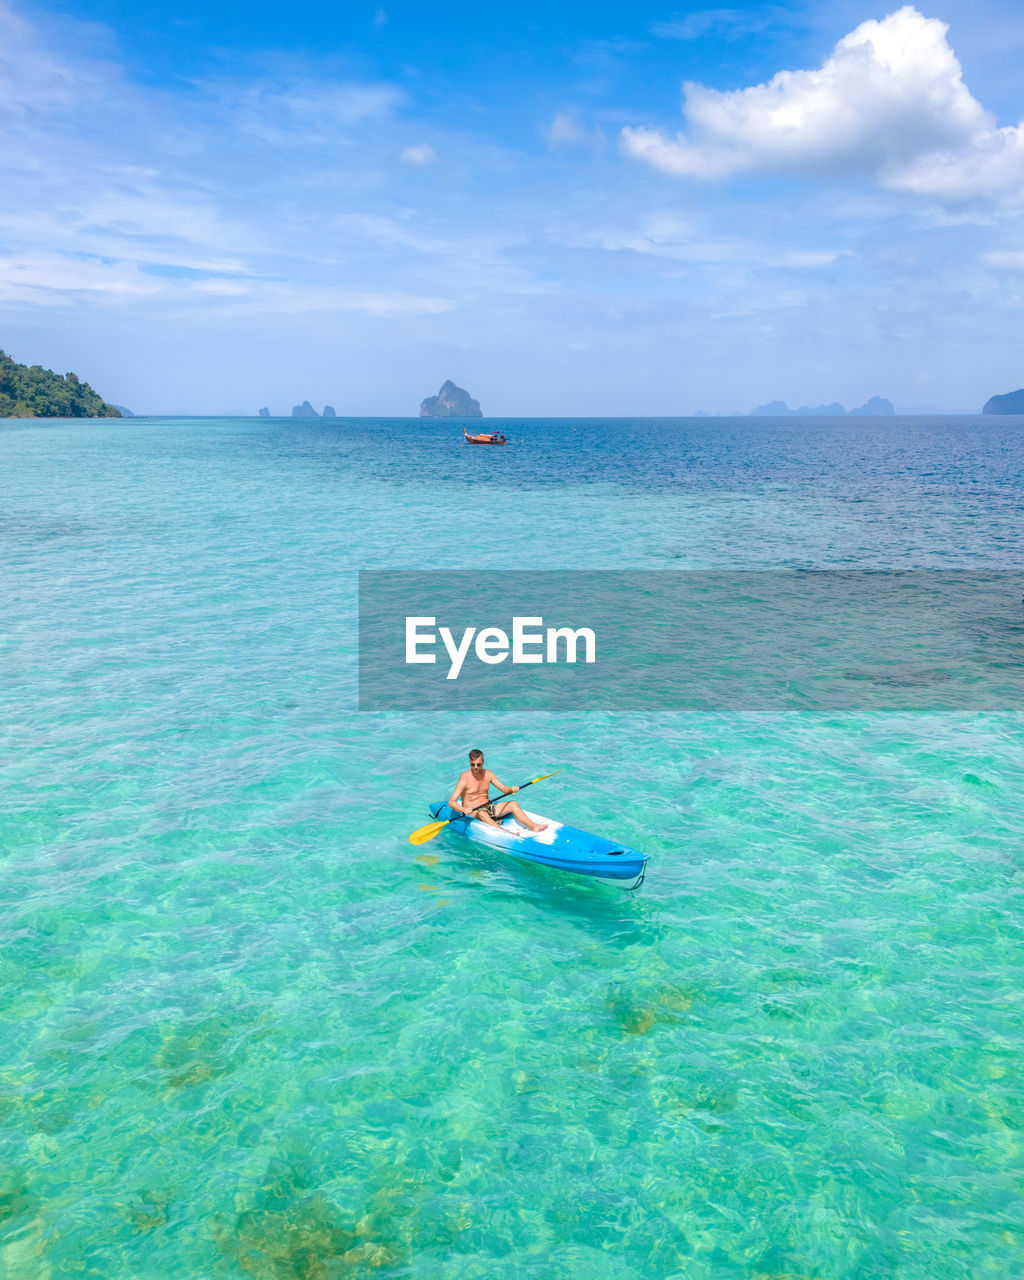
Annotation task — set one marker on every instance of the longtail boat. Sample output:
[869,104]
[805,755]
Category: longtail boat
[496,438]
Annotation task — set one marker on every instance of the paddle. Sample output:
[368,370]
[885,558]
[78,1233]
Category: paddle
[432,828]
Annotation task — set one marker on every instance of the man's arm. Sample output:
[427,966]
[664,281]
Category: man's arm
[454,800]
[509,791]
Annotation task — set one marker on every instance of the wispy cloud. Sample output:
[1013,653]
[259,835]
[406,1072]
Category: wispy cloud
[62,279]
[55,279]
[472,264]
[238,210]
[889,104]
[288,299]
[421,154]
[34,77]
[567,129]
[304,114]
[1005,259]
[564,127]
[604,54]
[687,241]
[693,26]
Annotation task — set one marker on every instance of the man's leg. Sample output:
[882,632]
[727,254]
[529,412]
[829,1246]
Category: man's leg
[512,807]
[484,815]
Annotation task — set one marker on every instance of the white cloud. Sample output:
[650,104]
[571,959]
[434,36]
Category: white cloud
[888,104]
[419,155]
[565,127]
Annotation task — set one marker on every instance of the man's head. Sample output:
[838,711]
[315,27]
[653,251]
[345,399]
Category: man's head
[476,759]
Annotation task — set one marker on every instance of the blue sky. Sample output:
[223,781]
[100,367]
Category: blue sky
[600,209]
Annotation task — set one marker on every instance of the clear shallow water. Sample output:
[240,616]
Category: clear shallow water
[248,1030]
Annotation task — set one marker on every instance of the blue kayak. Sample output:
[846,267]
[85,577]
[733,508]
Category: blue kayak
[566,848]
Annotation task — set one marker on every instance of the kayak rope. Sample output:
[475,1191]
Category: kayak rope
[638,881]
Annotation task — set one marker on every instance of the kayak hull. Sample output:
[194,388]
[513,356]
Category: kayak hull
[566,848]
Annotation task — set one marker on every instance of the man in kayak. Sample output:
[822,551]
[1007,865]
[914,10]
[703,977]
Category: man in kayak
[473,789]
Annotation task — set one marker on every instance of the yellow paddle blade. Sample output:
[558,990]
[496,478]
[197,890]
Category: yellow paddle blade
[428,832]
[542,777]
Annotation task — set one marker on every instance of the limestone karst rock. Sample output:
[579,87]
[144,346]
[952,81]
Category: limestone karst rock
[450,402]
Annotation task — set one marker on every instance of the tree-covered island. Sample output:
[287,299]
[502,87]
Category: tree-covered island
[34,392]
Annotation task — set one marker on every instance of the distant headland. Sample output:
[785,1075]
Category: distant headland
[1011,402]
[450,402]
[30,391]
[876,407]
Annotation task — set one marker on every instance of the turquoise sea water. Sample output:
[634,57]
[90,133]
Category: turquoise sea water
[248,1030]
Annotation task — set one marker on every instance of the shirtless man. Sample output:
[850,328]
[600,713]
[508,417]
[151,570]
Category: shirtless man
[473,788]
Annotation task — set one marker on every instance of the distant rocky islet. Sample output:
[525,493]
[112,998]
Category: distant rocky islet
[304,410]
[450,402]
[876,407]
[453,401]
